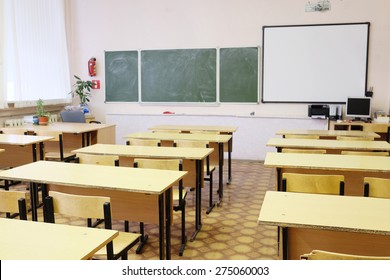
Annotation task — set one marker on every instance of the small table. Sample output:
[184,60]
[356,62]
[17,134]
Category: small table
[345,224]
[217,139]
[137,194]
[128,153]
[353,167]
[21,149]
[27,240]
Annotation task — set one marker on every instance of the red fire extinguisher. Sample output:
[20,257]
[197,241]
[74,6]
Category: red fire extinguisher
[92,66]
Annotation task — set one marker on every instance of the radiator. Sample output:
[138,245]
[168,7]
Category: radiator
[26,119]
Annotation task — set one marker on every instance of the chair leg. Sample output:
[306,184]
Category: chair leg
[211,203]
[143,239]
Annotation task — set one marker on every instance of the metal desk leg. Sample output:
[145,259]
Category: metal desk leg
[33,200]
[198,199]
[161,225]
[230,160]
[168,210]
[220,165]
[41,150]
[34,151]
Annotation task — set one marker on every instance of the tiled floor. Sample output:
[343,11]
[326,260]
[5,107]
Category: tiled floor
[229,231]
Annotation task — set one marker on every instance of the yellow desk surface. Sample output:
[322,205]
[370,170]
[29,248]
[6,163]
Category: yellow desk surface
[353,167]
[218,138]
[149,181]
[328,133]
[27,240]
[146,151]
[334,212]
[345,224]
[330,145]
[21,149]
[22,140]
[184,127]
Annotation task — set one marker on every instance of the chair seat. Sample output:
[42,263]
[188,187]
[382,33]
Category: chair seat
[120,244]
[57,156]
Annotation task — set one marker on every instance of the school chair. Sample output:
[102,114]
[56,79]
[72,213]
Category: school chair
[327,255]
[143,142]
[13,202]
[96,207]
[57,152]
[107,160]
[208,168]
[376,187]
[179,194]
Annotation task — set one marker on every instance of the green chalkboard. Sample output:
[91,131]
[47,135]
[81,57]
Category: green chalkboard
[180,75]
[239,74]
[121,70]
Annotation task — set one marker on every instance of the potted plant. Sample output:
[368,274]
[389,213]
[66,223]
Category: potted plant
[83,90]
[43,116]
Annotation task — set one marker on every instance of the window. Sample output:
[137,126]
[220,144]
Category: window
[35,56]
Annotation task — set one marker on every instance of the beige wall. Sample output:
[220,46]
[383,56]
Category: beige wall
[99,25]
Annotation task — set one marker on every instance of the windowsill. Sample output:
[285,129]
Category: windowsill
[22,111]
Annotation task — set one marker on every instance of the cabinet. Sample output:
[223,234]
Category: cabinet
[383,129]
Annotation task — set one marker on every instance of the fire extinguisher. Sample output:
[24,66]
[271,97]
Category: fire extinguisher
[92,66]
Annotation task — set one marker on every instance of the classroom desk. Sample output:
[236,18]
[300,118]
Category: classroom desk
[21,149]
[76,135]
[216,128]
[193,161]
[383,129]
[345,224]
[217,142]
[331,146]
[327,134]
[353,167]
[142,195]
[27,240]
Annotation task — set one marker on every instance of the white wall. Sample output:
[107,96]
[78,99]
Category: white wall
[99,25]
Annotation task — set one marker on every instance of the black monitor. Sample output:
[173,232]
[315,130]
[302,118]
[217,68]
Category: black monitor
[358,108]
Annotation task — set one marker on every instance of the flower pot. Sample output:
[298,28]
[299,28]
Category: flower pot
[43,120]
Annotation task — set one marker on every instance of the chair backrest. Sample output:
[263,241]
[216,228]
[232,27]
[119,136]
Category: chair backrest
[355,138]
[303,151]
[204,131]
[80,206]
[14,202]
[376,187]
[75,116]
[143,142]
[313,183]
[364,153]
[164,164]
[302,136]
[97,159]
[195,144]
[326,255]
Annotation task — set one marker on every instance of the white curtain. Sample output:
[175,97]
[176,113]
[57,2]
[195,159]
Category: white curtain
[36,57]
[3,101]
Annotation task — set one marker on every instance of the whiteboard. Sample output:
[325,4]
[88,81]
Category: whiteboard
[314,63]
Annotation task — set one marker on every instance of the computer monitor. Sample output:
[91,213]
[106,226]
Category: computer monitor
[358,108]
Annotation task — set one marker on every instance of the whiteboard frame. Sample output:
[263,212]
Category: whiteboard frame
[287,46]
